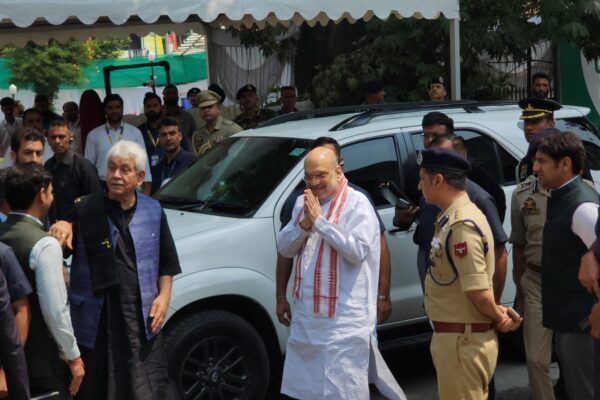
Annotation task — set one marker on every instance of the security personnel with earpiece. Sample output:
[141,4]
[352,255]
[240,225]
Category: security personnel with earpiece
[459,297]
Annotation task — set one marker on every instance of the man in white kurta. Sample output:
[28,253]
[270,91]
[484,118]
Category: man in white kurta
[334,236]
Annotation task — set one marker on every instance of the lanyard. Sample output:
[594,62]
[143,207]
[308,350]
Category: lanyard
[110,138]
[152,140]
[169,171]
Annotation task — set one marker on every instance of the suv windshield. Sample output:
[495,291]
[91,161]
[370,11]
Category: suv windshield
[235,177]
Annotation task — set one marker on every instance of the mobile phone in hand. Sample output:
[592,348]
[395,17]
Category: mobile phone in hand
[403,204]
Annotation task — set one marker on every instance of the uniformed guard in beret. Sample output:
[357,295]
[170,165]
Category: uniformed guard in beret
[251,115]
[437,89]
[374,92]
[216,128]
[459,297]
[537,114]
[191,96]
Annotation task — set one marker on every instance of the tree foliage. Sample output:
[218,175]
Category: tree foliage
[109,48]
[45,68]
[406,53]
[271,40]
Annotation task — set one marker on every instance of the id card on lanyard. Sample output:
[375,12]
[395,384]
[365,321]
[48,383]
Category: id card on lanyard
[154,159]
[168,170]
[110,137]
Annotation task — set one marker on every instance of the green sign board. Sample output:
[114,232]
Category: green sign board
[579,81]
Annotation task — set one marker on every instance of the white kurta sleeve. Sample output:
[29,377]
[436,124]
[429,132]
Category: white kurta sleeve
[583,223]
[46,262]
[354,237]
[290,238]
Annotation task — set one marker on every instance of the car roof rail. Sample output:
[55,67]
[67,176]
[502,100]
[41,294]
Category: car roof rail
[469,106]
[366,112]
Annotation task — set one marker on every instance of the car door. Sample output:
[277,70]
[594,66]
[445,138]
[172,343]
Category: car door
[368,163]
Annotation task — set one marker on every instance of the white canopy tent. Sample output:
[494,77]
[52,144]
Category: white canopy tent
[39,20]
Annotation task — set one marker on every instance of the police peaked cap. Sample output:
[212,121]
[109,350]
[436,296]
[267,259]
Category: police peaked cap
[534,108]
[245,89]
[443,159]
[207,98]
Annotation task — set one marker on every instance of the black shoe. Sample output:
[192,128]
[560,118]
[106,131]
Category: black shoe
[560,391]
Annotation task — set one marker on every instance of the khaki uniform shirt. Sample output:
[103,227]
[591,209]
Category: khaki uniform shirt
[263,115]
[445,301]
[202,139]
[528,214]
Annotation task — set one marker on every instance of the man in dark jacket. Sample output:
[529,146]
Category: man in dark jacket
[568,235]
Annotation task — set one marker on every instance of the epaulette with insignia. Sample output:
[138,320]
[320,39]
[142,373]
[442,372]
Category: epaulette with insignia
[526,184]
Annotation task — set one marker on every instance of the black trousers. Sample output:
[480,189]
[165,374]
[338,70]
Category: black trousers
[123,364]
[12,355]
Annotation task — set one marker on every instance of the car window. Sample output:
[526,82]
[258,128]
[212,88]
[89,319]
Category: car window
[588,133]
[371,162]
[489,155]
[234,177]
[484,151]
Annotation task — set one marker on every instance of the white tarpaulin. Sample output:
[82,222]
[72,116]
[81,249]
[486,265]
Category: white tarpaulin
[23,13]
[40,20]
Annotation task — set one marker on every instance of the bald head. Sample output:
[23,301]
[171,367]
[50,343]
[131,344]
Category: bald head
[322,172]
[321,155]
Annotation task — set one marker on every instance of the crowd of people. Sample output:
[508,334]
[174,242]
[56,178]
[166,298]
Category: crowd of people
[341,268]
[80,184]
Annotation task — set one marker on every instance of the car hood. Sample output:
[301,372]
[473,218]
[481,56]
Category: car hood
[185,223]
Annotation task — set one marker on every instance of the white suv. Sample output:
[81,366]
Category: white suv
[223,337]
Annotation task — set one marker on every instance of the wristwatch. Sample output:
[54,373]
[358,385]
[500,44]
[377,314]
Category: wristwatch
[382,297]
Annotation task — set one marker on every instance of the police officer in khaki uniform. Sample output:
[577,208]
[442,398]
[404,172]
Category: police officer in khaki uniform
[216,127]
[537,114]
[251,115]
[528,215]
[459,297]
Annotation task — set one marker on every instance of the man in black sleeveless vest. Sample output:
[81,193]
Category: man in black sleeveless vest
[568,234]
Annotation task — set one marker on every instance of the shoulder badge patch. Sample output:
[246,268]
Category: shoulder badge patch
[460,249]
[523,172]
[529,207]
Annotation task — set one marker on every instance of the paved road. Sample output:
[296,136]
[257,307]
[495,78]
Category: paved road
[414,371]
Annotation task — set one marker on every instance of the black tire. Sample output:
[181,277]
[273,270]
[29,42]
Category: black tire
[217,355]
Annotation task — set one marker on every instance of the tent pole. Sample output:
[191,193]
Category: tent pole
[455,58]
[207,40]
